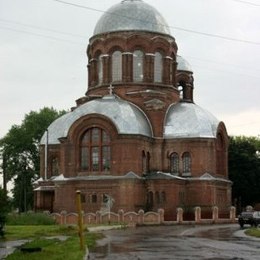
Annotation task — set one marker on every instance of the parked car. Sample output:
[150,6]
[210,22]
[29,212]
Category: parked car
[245,217]
[256,218]
[249,217]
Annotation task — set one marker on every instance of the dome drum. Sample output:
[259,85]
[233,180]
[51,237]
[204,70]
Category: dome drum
[136,64]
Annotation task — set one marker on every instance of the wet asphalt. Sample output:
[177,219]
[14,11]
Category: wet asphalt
[207,242]
[211,242]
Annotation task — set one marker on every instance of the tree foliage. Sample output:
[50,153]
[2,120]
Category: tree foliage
[4,209]
[244,170]
[4,203]
[20,147]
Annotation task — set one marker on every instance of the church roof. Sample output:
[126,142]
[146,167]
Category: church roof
[188,120]
[127,118]
[132,15]
[183,64]
[127,176]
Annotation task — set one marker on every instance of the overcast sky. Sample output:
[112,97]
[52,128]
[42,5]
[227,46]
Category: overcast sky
[43,55]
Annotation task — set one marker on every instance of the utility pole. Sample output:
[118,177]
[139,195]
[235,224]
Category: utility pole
[80,220]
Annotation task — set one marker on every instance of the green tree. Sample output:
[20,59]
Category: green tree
[244,170]
[21,149]
[4,202]
[4,209]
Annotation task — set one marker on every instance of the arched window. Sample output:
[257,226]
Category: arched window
[138,61]
[144,162]
[186,164]
[117,66]
[221,156]
[83,197]
[95,150]
[163,197]
[54,166]
[158,67]
[181,86]
[172,79]
[148,157]
[94,198]
[174,163]
[100,69]
[149,200]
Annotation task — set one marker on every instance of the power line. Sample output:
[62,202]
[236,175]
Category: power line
[39,35]
[246,2]
[227,72]
[41,28]
[223,63]
[173,27]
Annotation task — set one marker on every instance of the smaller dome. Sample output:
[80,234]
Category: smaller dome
[183,64]
[188,120]
[127,118]
[131,15]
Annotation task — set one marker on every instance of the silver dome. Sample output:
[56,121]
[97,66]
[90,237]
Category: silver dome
[187,120]
[127,118]
[183,64]
[131,15]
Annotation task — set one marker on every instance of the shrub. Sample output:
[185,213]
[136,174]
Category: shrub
[29,218]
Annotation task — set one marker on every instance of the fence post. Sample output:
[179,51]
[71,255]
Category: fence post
[141,217]
[179,215]
[197,214]
[232,215]
[161,215]
[215,214]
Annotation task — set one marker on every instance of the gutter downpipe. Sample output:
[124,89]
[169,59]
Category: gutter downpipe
[46,155]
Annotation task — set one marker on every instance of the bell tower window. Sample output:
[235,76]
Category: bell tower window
[95,151]
[100,69]
[138,63]
[158,66]
[117,66]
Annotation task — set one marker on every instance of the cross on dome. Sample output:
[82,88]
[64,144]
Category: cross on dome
[110,88]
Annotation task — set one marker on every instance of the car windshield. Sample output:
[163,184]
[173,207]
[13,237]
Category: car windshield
[246,214]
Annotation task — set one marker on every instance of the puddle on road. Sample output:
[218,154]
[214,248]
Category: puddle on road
[221,234]
[109,247]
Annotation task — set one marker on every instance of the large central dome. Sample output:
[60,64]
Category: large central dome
[132,15]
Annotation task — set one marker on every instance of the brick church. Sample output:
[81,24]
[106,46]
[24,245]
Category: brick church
[136,135]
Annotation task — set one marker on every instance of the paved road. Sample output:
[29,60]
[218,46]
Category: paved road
[215,242]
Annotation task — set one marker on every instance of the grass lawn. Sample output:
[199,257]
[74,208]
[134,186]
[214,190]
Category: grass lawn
[255,232]
[50,248]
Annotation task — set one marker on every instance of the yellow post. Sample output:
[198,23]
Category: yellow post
[80,222]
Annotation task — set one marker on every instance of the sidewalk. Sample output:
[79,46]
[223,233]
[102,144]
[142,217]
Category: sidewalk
[8,247]
[104,228]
